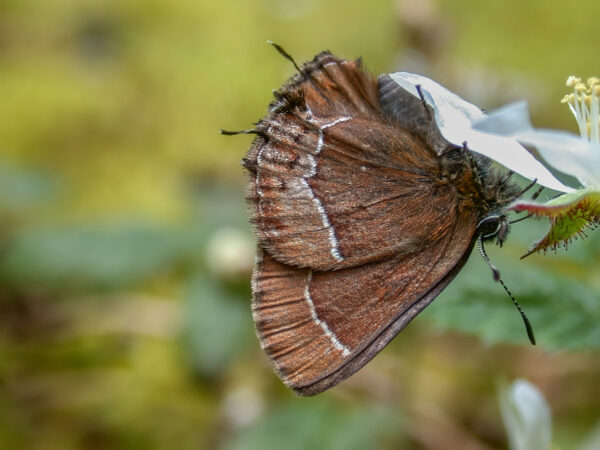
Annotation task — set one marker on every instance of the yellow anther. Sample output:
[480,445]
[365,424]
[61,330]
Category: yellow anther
[584,103]
[572,81]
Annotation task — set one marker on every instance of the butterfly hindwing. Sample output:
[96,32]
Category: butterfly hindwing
[319,328]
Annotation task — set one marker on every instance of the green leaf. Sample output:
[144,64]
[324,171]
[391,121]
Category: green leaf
[315,424]
[22,189]
[217,327]
[88,256]
[562,305]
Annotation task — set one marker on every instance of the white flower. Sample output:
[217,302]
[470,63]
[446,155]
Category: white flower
[494,136]
[578,156]
[526,416]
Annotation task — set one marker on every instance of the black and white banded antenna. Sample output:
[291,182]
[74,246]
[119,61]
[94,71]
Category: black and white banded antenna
[497,278]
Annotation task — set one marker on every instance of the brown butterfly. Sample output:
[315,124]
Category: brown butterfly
[363,213]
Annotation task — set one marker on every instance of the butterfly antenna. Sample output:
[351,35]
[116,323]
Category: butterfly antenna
[497,278]
[425,106]
[285,54]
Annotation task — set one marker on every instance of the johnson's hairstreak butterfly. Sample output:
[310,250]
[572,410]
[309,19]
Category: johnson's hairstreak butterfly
[363,213]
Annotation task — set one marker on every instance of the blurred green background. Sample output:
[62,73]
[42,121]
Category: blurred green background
[126,254]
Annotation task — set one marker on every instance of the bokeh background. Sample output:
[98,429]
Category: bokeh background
[125,252]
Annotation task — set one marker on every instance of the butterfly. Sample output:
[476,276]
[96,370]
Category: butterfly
[363,213]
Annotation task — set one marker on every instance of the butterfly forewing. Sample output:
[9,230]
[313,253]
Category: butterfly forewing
[321,182]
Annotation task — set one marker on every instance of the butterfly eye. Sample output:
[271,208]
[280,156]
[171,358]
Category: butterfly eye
[493,226]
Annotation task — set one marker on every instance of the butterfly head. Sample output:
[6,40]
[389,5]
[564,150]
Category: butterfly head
[494,226]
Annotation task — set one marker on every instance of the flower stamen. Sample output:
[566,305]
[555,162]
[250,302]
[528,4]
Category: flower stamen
[584,103]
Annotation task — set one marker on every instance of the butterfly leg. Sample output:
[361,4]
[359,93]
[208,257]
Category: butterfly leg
[425,105]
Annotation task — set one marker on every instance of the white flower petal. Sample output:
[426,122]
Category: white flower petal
[526,416]
[506,121]
[508,152]
[566,152]
[453,115]
[456,118]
